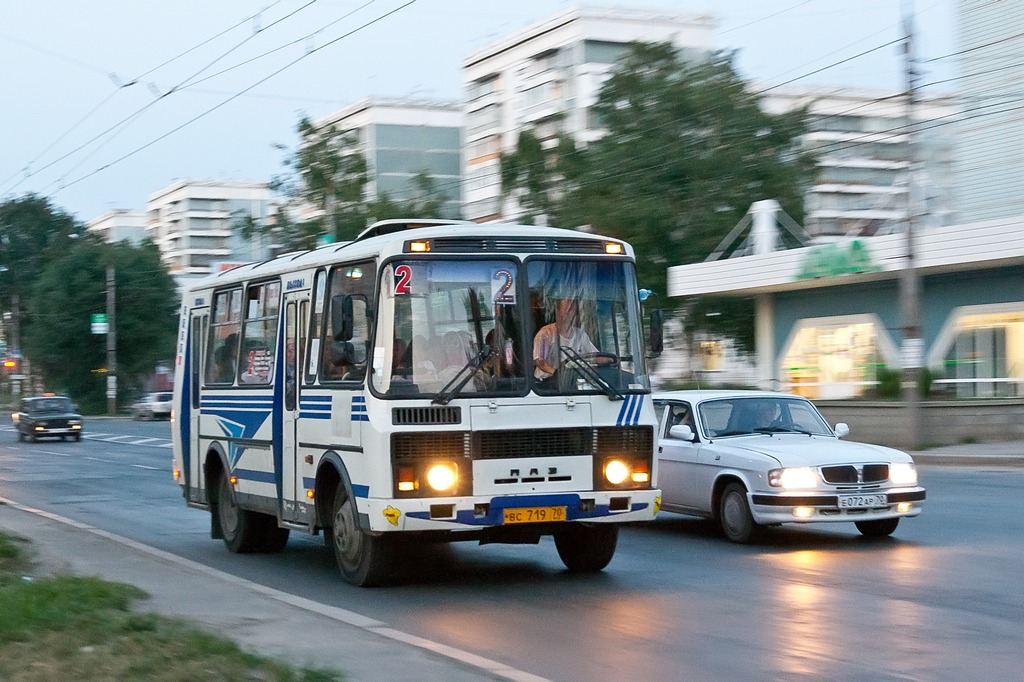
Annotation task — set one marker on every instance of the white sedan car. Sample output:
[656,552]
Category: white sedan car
[756,458]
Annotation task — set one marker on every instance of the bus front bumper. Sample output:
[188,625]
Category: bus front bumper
[476,513]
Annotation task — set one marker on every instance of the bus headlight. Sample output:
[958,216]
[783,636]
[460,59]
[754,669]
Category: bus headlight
[442,476]
[616,472]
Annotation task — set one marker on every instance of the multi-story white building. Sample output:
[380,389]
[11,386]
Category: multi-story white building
[990,134]
[546,78]
[194,224]
[119,224]
[402,138]
[862,143]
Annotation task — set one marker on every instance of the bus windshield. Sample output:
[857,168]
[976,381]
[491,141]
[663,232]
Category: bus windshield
[451,327]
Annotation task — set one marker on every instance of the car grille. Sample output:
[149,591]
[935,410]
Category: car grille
[855,473]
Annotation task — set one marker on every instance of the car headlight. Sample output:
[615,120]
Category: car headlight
[903,473]
[793,477]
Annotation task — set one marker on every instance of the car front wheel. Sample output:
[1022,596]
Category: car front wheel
[734,515]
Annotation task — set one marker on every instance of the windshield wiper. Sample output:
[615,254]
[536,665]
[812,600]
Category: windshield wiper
[448,393]
[589,373]
[781,429]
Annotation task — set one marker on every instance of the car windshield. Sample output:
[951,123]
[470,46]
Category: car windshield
[743,416]
[50,405]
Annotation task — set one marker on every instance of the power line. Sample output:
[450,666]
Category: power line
[238,94]
[174,89]
[976,47]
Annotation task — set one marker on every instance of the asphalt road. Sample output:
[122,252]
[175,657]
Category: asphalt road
[941,600]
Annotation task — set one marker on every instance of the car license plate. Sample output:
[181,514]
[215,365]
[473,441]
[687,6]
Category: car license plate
[862,501]
[534,514]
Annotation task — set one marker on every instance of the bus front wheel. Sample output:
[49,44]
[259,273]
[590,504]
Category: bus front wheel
[587,549]
[363,559]
[244,531]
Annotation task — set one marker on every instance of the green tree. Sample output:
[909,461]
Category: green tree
[31,228]
[688,149]
[328,173]
[70,288]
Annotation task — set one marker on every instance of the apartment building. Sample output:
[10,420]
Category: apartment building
[546,78]
[193,223]
[402,138]
[990,134]
[862,142]
[119,224]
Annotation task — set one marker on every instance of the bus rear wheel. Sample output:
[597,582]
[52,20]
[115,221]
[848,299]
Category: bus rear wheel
[587,549]
[363,559]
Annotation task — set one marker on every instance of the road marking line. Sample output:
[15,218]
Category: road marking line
[143,466]
[333,612]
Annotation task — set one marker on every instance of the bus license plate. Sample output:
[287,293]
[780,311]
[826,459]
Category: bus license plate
[862,501]
[534,514]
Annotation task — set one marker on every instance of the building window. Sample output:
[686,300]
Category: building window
[982,352]
[832,358]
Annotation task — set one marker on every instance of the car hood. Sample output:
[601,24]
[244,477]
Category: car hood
[51,415]
[798,450]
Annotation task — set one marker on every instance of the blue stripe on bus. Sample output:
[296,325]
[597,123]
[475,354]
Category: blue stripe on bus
[245,399]
[634,416]
[314,407]
[363,491]
[314,415]
[253,475]
[316,398]
[308,482]
[622,410]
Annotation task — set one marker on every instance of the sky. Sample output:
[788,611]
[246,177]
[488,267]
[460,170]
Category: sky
[108,101]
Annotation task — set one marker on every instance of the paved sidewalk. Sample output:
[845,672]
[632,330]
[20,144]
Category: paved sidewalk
[261,619]
[974,454]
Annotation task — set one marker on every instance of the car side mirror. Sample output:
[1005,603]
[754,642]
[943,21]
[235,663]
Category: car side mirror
[682,432]
[842,429]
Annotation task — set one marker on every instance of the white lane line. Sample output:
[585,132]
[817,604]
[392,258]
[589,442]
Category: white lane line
[99,459]
[341,615]
[143,441]
[143,466]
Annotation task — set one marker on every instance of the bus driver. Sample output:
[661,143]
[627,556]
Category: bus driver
[564,332]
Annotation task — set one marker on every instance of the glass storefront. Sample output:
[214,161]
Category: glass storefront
[832,359]
[986,356]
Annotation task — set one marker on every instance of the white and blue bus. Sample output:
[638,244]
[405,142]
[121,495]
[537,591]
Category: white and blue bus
[385,390]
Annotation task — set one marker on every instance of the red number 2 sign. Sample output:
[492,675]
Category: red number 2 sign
[403,280]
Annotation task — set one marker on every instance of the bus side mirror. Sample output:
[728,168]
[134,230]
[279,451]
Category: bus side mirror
[341,353]
[657,331]
[342,317]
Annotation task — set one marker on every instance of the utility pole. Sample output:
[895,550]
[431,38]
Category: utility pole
[912,349]
[111,346]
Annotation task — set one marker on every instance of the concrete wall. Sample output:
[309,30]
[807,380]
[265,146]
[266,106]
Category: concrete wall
[942,422]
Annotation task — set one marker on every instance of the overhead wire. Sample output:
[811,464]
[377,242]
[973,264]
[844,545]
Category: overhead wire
[144,108]
[238,94]
[121,86]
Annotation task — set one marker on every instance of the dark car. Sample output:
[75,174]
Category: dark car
[48,416]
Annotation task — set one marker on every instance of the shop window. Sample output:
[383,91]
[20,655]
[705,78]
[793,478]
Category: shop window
[833,358]
[983,352]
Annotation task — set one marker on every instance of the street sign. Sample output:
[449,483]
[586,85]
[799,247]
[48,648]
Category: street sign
[99,323]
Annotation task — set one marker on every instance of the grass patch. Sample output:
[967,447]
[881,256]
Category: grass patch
[79,628]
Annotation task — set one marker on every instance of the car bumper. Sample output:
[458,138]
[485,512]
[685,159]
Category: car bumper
[771,508]
[53,431]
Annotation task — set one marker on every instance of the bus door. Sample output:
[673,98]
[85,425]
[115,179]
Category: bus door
[296,317]
[192,459]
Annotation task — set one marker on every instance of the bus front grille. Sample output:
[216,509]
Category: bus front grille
[419,416]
